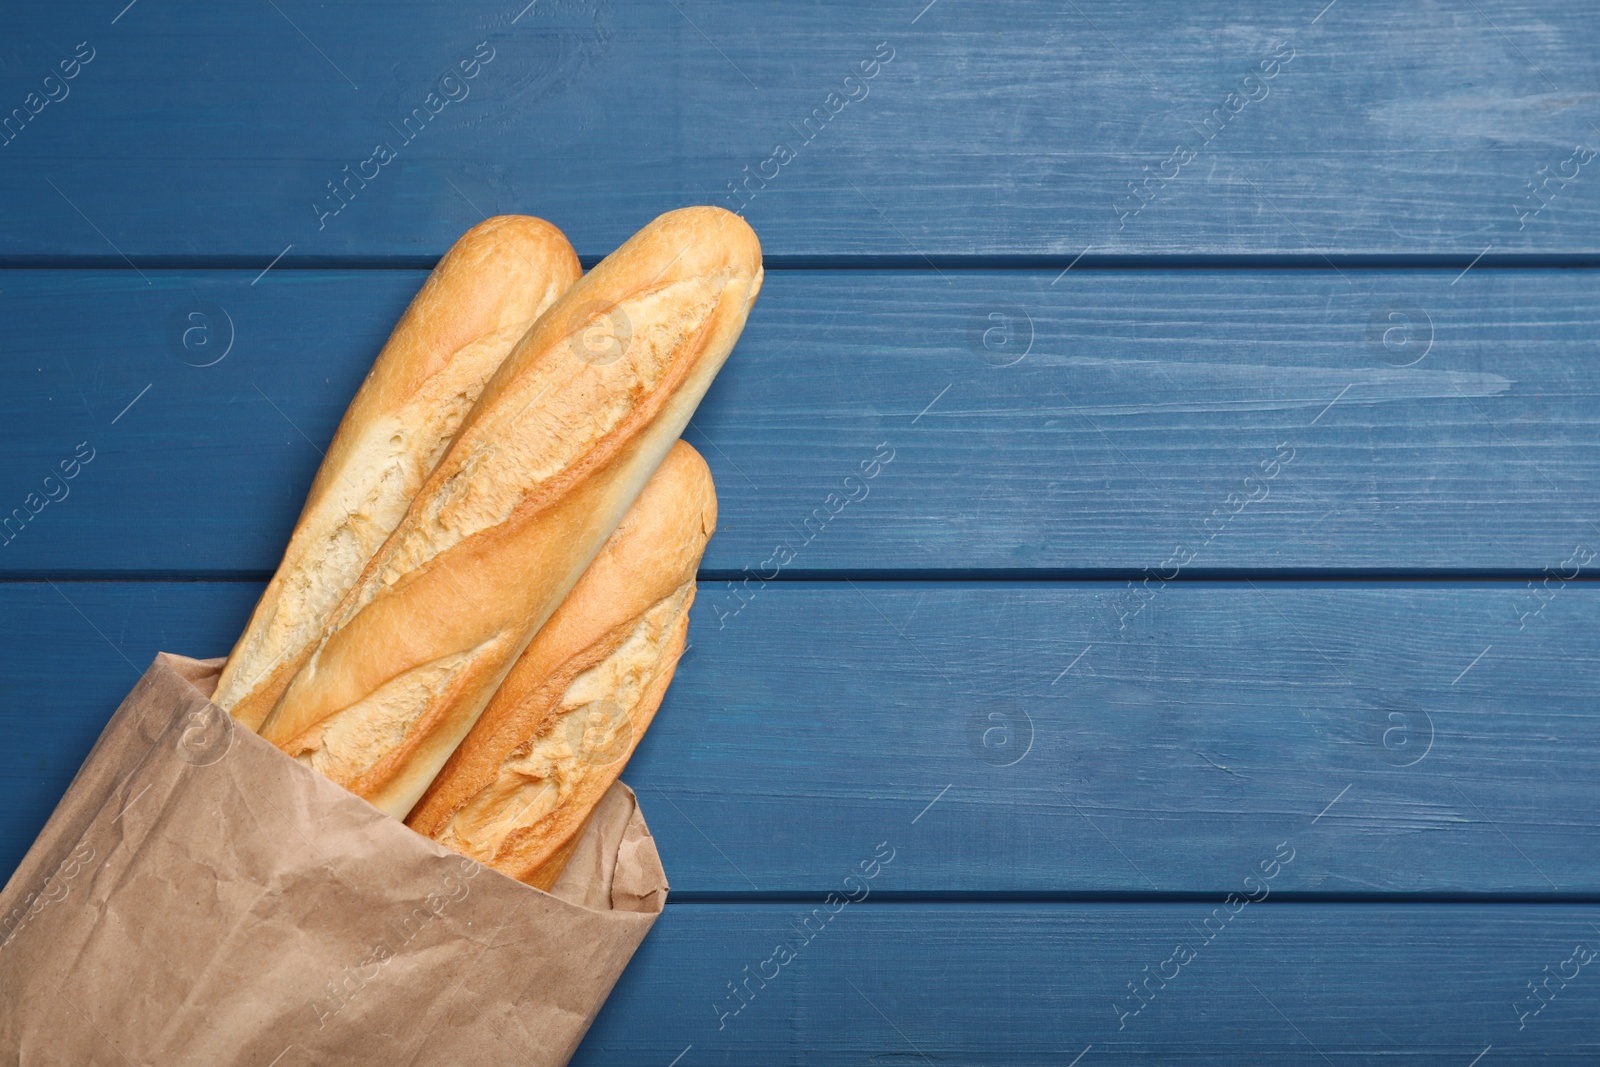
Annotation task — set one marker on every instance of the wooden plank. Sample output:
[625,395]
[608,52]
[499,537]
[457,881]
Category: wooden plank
[995,130]
[1039,985]
[1425,742]
[1144,414]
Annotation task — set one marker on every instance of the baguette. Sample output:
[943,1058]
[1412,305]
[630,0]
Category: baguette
[478,302]
[518,791]
[563,439]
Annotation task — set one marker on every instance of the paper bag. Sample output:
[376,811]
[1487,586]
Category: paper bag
[200,898]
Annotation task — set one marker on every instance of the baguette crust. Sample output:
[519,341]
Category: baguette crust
[473,309]
[540,474]
[518,791]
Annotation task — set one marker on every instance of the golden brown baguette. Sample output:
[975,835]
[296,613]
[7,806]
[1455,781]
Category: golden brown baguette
[473,309]
[517,792]
[563,439]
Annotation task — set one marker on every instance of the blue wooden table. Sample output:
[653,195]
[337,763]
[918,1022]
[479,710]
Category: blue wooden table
[1206,671]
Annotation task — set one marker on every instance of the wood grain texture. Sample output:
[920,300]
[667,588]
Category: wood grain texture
[1071,773]
[1038,985]
[1425,742]
[996,130]
[1140,416]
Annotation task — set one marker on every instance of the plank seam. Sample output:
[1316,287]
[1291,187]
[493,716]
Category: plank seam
[897,263]
[1043,577]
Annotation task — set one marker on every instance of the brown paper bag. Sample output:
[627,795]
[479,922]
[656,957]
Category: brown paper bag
[200,898]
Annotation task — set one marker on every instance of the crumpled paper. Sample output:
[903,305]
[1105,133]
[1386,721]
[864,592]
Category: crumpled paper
[200,898]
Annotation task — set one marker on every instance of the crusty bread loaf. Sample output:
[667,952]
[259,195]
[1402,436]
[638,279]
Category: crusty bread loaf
[473,309]
[558,447]
[516,793]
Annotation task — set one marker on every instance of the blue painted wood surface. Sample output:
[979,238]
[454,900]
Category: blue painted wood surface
[1443,732]
[1037,985]
[1076,424]
[1249,508]
[1009,128]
